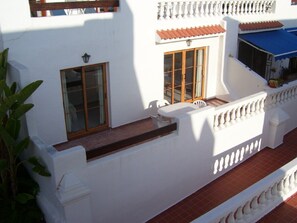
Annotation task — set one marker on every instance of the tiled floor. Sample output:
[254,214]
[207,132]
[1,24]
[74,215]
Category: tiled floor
[103,138]
[236,180]
[109,136]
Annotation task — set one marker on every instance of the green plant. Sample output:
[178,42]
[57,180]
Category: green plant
[18,191]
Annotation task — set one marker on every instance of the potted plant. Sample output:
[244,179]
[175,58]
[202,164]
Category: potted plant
[18,190]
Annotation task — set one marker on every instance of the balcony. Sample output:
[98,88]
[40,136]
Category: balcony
[176,9]
[40,8]
[223,191]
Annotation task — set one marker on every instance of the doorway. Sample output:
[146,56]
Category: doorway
[184,75]
[85,99]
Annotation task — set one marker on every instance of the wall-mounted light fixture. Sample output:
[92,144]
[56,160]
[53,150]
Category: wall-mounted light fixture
[188,41]
[86,57]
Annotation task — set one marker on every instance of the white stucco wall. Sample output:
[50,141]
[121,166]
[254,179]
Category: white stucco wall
[152,176]
[126,41]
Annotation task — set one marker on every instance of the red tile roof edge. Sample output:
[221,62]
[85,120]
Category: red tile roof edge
[260,25]
[190,32]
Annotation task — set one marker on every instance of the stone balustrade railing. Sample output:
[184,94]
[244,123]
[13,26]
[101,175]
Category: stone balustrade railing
[239,110]
[281,95]
[177,9]
[258,200]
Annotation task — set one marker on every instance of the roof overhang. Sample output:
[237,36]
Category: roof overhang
[174,35]
[278,43]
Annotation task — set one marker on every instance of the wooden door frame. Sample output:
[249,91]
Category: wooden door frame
[87,130]
[183,70]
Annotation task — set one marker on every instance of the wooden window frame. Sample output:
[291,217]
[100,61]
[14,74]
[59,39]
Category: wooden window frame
[183,70]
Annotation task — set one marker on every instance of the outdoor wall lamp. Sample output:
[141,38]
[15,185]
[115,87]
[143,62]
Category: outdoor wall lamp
[86,57]
[189,41]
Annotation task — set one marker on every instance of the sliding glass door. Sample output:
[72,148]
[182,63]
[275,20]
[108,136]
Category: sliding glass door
[84,98]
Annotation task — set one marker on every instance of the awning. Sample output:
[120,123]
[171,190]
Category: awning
[279,43]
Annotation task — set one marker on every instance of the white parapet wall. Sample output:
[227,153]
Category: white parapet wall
[152,176]
[258,200]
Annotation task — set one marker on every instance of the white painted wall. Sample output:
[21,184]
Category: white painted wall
[154,175]
[241,80]
[126,41]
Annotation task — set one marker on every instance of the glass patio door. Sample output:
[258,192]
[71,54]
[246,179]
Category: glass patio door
[84,98]
[184,75]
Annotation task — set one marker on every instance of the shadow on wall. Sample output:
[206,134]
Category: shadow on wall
[107,38]
[236,155]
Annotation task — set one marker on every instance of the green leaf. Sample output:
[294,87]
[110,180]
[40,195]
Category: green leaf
[3,85]
[38,167]
[13,87]
[13,127]
[27,91]
[6,137]
[21,146]
[3,64]
[21,110]
[3,165]
[6,105]
[23,198]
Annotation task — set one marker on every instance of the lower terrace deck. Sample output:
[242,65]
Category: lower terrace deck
[106,142]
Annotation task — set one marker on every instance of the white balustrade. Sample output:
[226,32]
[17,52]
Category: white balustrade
[174,9]
[254,202]
[281,95]
[236,111]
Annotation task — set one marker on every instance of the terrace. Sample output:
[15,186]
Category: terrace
[153,160]
[106,177]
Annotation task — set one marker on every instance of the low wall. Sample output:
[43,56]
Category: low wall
[251,82]
[136,184]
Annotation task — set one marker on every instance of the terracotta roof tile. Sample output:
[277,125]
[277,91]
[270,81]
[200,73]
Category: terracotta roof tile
[190,32]
[260,25]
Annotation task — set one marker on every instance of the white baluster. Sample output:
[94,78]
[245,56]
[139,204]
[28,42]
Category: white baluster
[262,199]
[286,185]
[274,191]
[280,188]
[161,10]
[247,209]
[268,194]
[202,11]
[222,220]
[194,8]
[249,7]
[238,113]
[234,8]
[211,9]
[254,205]
[233,115]
[173,10]
[254,8]
[243,112]
[216,122]
[178,10]
[219,8]
[295,178]
[222,120]
[206,8]
[227,120]
[260,7]
[239,215]
[188,9]
[240,8]
[167,10]
[253,108]
[246,4]
[230,218]
[291,181]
